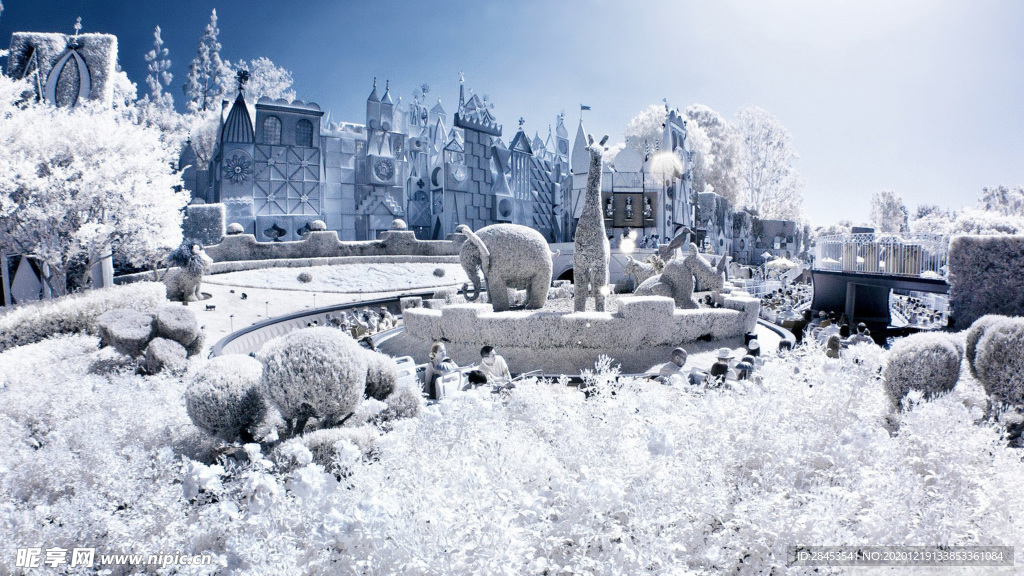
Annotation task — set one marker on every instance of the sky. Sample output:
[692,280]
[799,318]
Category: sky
[923,97]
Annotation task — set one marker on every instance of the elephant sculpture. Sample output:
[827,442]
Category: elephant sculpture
[510,256]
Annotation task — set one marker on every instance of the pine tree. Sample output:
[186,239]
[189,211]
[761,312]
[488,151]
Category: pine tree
[208,76]
[159,72]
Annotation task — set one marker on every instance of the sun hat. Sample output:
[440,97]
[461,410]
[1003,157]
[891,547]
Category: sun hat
[724,354]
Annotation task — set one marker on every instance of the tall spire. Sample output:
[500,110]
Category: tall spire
[462,90]
[373,95]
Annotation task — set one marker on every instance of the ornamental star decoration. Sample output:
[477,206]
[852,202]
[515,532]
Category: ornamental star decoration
[237,169]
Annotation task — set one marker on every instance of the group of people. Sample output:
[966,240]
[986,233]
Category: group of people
[836,334]
[916,312]
[725,368]
[363,322]
[782,304]
[492,369]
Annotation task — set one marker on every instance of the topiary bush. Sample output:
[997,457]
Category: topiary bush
[179,324]
[128,331]
[439,272]
[999,362]
[305,277]
[223,397]
[340,447]
[314,372]
[163,354]
[405,401]
[974,333]
[381,375]
[926,362]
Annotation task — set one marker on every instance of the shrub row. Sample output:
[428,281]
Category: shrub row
[76,313]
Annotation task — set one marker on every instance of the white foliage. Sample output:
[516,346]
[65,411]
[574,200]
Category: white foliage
[159,67]
[773,187]
[542,479]
[724,164]
[888,213]
[266,79]
[76,184]
[209,78]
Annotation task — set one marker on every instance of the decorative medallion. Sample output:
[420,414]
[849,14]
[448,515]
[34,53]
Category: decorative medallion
[238,168]
[384,169]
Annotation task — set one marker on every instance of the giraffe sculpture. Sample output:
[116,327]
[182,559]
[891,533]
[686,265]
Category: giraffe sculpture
[591,248]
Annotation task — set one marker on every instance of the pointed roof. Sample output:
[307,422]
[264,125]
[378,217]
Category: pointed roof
[455,143]
[373,95]
[238,126]
[387,93]
[537,143]
[438,109]
[580,162]
[521,143]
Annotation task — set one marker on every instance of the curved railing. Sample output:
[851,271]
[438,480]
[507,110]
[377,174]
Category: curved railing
[252,338]
[919,255]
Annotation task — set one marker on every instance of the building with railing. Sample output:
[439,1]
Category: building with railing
[922,255]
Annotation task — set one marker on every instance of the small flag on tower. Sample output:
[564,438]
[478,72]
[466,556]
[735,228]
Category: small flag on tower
[582,107]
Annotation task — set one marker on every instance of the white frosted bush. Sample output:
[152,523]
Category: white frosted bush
[314,372]
[405,401]
[381,375]
[974,333]
[163,354]
[177,323]
[223,396]
[28,323]
[128,331]
[999,361]
[341,447]
[929,363]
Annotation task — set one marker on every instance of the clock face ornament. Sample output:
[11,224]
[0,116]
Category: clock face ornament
[384,169]
[459,173]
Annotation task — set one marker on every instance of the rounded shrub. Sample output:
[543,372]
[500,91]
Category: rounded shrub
[381,375]
[235,228]
[128,331]
[177,323]
[163,354]
[223,397]
[318,226]
[999,361]
[926,362]
[974,334]
[305,277]
[399,224]
[314,372]
[405,401]
[439,272]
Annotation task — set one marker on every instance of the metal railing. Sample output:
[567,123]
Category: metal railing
[920,255]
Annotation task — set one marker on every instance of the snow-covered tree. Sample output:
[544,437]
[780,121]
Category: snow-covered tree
[209,78]
[1003,200]
[644,131]
[159,77]
[772,185]
[646,128]
[888,213]
[841,227]
[78,183]
[265,79]
[723,171]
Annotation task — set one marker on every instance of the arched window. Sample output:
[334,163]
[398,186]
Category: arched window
[272,130]
[304,133]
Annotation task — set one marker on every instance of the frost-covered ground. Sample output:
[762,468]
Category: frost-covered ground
[348,278]
[652,479]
